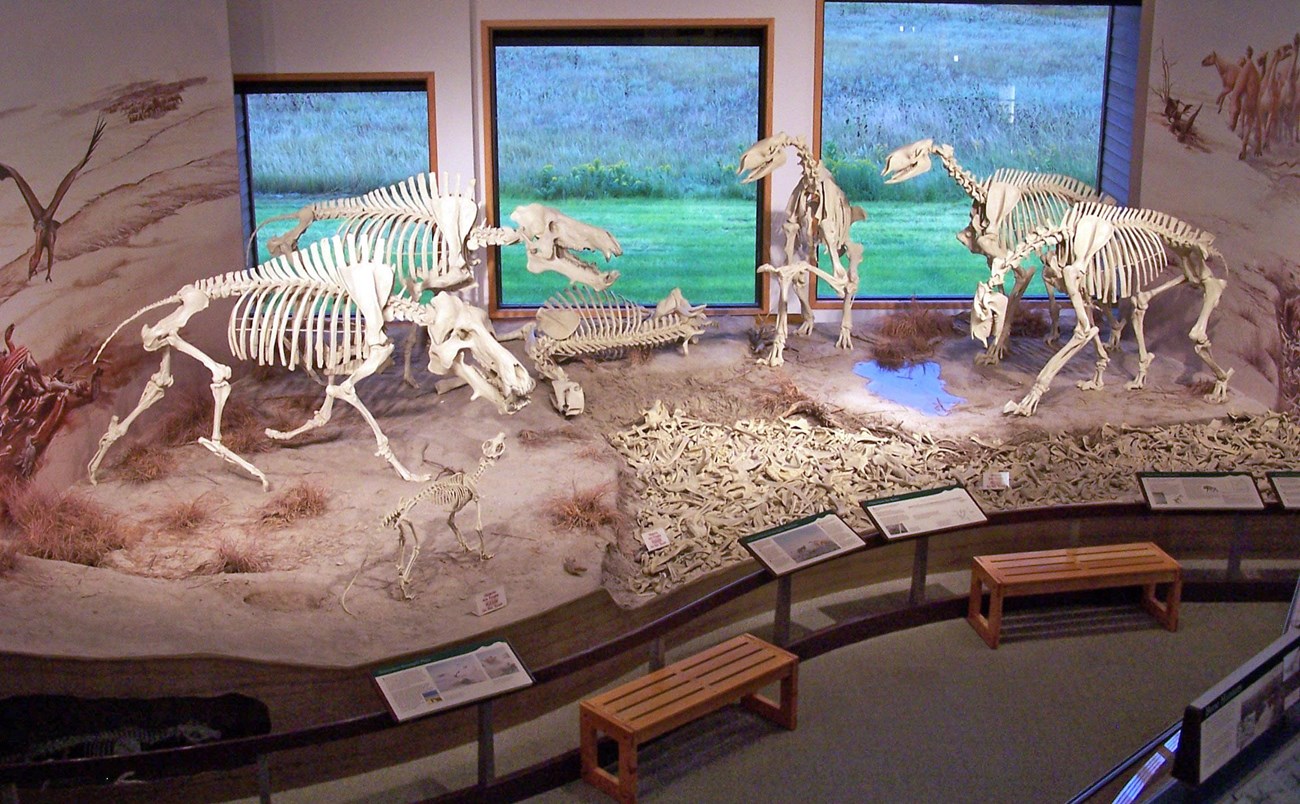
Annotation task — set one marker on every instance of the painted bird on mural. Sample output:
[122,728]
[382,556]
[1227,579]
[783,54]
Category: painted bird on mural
[43,222]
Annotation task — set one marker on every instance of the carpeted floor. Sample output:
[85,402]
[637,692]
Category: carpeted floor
[932,714]
[927,714]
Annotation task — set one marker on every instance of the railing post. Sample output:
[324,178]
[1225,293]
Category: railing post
[781,617]
[264,778]
[486,749]
[656,661]
[920,562]
[1236,547]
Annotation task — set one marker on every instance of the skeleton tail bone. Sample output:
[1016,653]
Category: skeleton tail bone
[161,302]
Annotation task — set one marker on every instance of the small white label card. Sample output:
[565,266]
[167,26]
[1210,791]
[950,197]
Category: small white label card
[995,481]
[655,539]
[490,601]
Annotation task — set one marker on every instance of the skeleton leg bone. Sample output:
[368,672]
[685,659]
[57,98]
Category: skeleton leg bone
[1084,331]
[153,391]
[220,392]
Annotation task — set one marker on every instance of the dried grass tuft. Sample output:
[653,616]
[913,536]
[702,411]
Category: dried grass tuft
[8,556]
[189,515]
[910,335]
[239,556]
[243,428]
[1030,323]
[786,395]
[145,463]
[584,510]
[68,527]
[301,501]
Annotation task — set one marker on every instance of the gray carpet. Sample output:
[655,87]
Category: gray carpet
[932,714]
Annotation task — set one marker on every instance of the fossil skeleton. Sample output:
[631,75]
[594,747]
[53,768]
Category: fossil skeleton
[1005,207]
[43,222]
[818,214]
[1107,253]
[452,492]
[431,233]
[325,309]
[580,322]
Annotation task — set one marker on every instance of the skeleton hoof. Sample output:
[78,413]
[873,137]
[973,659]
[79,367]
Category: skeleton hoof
[1025,407]
[1090,385]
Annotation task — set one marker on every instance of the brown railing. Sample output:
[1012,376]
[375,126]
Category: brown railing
[242,752]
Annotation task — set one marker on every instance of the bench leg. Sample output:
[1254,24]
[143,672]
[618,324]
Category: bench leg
[786,712]
[989,628]
[622,786]
[1167,611]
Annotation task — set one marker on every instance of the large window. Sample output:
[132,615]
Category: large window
[1007,86]
[637,130]
[311,138]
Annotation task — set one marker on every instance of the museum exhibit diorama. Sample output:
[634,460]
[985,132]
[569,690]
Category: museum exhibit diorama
[200,547]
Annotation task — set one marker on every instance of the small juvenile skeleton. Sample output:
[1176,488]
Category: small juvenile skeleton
[452,492]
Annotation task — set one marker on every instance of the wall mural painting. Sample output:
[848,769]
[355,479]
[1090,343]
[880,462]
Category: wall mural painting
[117,172]
[1222,151]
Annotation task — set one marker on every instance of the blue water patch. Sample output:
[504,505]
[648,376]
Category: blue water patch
[917,386]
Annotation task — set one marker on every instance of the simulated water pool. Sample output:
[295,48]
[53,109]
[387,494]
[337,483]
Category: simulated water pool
[917,386]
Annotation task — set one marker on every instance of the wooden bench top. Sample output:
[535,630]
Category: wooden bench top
[1128,563]
[675,695]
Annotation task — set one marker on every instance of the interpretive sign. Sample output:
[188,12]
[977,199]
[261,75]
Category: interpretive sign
[451,678]
[920,512]
[1200,491]
[803,542]
[1287,487]
[1238,710]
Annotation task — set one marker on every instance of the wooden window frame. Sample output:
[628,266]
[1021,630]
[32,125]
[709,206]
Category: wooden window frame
[487,33]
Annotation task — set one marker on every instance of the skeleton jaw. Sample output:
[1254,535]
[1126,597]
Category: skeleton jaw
[907,162]
[762,158]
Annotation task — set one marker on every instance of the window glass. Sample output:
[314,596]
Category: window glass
[317,142]
[1007,86]
[639,133]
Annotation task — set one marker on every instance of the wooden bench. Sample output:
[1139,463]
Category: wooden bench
[643,709]
[1071,570]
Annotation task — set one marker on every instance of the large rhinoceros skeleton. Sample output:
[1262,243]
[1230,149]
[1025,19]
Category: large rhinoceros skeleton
[1106,253]
[324,309]
[1005,207]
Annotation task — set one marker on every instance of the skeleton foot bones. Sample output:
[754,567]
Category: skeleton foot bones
[324,309]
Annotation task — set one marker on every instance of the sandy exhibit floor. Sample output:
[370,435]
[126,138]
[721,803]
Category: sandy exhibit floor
[166,596]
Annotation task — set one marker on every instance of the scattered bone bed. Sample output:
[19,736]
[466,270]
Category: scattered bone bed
[709,484]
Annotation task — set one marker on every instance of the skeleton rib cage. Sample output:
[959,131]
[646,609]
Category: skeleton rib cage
[579,321]
[1132,257]
[297,309]
[1045,199]
[409,220]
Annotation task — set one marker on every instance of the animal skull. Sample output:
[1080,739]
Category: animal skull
[907,162]
[549,235]
[457,328]
[988,313]
[763,157]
